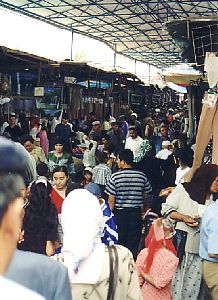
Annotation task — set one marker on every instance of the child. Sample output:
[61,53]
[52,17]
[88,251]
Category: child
[42,170]
[157,263]
[101,173]
[87,176]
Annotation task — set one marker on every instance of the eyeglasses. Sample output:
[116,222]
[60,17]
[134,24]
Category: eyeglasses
[26,203]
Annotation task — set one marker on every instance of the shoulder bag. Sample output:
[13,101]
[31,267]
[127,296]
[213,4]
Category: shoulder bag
[113,275]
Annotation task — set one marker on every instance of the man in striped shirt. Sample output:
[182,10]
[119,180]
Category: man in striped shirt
[128,190]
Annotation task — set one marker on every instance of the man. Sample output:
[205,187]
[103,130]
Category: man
[95,133]
[165,152]
[34,271]
[88,124]
[133,142]
[209,246]
[128,190]
[37,152]
[13,129]
[163,136]
[11,212]
[117,138]
[64,131]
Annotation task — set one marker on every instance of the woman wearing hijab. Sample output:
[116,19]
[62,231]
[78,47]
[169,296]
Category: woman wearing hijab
[156,264]
[186,205]
[87,258]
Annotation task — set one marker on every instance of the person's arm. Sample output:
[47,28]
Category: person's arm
[183,218]
[146,202]
[111,191]
[111,201]
[212,242]
[213,255]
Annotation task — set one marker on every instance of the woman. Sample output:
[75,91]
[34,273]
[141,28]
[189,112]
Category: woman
[60,158]
[186,204]
[40,220]
[157,263]
[61,187]
[87,176]
[87,258]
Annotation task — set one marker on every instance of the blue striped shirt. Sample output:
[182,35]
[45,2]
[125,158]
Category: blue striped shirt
[128,186]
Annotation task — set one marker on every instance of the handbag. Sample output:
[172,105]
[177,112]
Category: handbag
[113,275]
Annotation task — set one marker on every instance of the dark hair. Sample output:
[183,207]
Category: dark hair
[127,156]
[26,138]
[65,116]
[40,221]
[106,137]
[132,127]
[199,187]
[42,169]
[60,169]
[72,186]
[101,156]
[10,188]
[185,154]
[57,140]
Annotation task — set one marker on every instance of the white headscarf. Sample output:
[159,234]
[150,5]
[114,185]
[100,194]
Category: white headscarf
[83,252]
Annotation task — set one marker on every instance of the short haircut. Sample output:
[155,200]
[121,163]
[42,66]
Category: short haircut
[101,156]
[65,116]
[132,127]
[127,156]
[42,169]
[26,138]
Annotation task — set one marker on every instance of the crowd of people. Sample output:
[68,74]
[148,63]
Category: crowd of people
[73,200]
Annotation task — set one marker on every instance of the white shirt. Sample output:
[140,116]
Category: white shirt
[11,290]
[163,154]
[134,145]
[180,174]
[53,125]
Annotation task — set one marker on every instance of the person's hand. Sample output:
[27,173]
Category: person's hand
[190,221]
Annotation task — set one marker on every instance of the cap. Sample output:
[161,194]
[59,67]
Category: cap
[96,123]
[134,114]
[94,189]
[166,143]
[88,169]
[112,120]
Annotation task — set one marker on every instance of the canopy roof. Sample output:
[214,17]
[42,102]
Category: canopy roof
[135,28]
